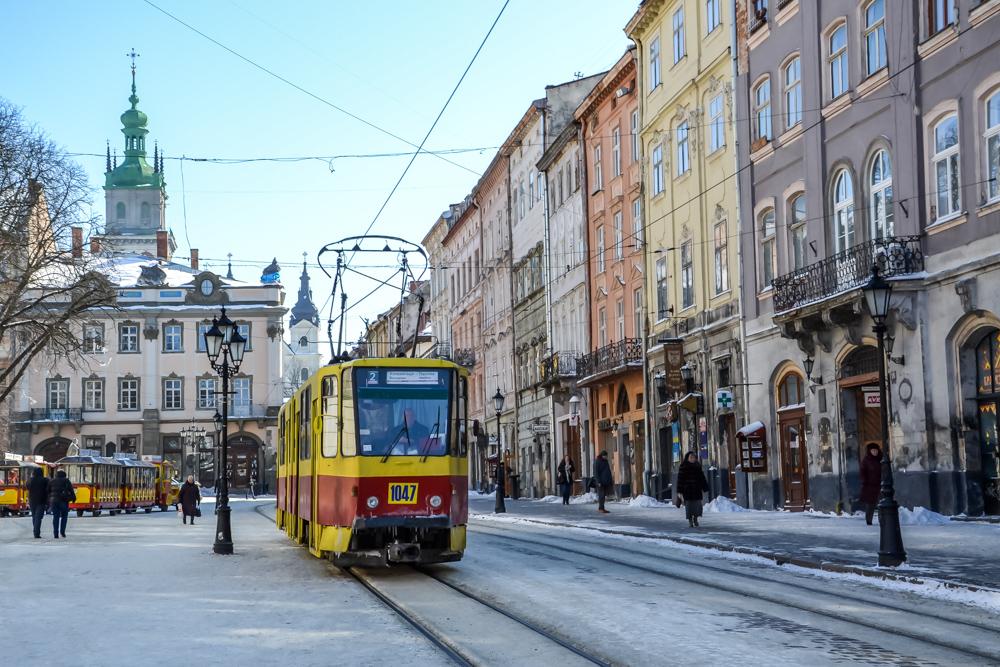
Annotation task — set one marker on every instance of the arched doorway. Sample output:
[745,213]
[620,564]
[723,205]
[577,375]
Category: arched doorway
[244,461]
[52,449]
[792,441]
[982,452]
[861,410]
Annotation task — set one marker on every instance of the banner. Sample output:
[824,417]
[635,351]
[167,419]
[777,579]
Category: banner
[673,359]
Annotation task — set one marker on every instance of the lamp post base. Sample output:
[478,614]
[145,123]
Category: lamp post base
[223,533]
[890,549]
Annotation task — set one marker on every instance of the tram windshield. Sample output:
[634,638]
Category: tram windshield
[403,411]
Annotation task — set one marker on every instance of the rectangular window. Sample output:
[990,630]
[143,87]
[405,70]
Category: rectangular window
[793,93]
[58,395]
[244,329]
[206,393]
[940,15]
[616,150]
[203,328]
[602,327]
[619,242]
[241,396]
[661,289]
[657,170]
[678,25]
[992,138]
[687,275]
[683,157]
[768,258]
[838,62]
[531,192]
[654,63]
[559,188]
[93,338]
[173,394]
[128,394]
[716,126]
[637,313]
[128,338]
[721,258]
[637,230]
[93,394]
[946,169]
[620,312]
[762,110]
[173,338]
[712,15]
[797,210]
[600,249]
[598,172]
[635,135]
[875,36]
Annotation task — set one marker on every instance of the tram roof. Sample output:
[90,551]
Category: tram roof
[88,459]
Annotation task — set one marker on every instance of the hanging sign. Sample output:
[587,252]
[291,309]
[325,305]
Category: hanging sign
[724,399]
[673,359]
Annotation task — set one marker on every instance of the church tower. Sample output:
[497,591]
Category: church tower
[303,357]
[135,191]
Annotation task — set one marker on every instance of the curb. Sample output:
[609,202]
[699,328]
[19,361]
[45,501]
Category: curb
[776,557]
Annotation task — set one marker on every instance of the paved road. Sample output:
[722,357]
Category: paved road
[961,552]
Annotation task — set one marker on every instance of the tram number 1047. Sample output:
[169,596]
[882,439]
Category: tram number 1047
[402,493]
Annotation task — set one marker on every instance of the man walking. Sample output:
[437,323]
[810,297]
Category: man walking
[61,494]
[38,496]
[602,476]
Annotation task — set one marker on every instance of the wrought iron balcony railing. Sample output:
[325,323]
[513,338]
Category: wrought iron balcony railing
[558,366]
[442,351]
[611,357]
[847,270]
[465,356]
[56,414]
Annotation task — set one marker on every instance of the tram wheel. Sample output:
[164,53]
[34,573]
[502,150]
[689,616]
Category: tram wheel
[148,509]
[79,512]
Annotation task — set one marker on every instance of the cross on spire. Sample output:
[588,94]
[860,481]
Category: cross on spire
[133,55]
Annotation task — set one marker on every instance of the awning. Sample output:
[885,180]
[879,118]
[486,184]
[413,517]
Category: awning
[755,430]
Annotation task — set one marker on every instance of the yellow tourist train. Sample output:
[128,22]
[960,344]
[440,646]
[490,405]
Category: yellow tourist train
[15,473]
[373,462]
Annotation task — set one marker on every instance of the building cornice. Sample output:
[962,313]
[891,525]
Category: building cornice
[623,69]
[645,15]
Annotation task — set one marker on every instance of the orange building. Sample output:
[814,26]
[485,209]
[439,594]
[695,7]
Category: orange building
[613,369]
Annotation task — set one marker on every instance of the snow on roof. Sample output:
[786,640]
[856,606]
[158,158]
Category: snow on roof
[124,270]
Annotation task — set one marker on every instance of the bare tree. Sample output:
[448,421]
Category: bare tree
[47,286]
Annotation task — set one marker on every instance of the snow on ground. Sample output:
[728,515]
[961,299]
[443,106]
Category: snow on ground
[477,494]
[587,498]
[644,501]
[921,516]
[721,504]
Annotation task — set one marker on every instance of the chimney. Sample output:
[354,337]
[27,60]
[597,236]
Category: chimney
[194,258]
[162,245]
[77,242]
[95,246]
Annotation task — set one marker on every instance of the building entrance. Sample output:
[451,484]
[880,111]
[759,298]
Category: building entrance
[792,443]
[987,403]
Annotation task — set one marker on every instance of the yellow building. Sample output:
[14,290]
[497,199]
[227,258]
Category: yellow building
[689,203]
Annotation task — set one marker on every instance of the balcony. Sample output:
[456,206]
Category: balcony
[465,356]
[758,16]
[56,415]
[847,271]
[611,358]
[441,351]
[558,366]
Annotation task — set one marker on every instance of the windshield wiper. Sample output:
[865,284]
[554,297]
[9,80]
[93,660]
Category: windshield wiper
[426,449]
[405,429]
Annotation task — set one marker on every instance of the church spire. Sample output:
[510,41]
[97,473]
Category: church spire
[304,309]
[134,171]
[229,269]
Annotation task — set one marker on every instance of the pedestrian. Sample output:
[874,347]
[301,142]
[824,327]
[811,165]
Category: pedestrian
[251,490]
[190,498]
[38,499]
[564,477]
[603,479]
[61,494]
[691,484]
[871,480]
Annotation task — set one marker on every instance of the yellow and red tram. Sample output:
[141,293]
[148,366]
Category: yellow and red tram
[373,462]
[97,481]
[14,477]
[138,485]
[167,490]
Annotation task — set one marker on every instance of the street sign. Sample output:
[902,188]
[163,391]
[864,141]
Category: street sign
[540,428]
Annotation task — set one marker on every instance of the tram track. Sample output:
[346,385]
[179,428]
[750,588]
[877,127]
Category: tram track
[939,632]
[450,617]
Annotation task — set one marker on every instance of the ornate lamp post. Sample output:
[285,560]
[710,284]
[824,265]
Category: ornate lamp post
[225,347]
[191,436]
[499,507]
[217,420]
[890,551]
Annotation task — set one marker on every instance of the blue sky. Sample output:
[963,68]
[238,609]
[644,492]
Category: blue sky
[393,63]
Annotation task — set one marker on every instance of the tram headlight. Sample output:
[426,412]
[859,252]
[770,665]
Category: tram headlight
[372,502]
[435,501]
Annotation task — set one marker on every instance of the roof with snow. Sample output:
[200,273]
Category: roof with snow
[135,270]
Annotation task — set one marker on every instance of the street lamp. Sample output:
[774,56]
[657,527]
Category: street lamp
[191,436]
[890,552]
[217,420]
[499,507]
[225,348]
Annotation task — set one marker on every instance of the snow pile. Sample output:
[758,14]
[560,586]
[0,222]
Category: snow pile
[721,504]
[645,501]
[588,497]
[921,516]
[550,499]
[476,494]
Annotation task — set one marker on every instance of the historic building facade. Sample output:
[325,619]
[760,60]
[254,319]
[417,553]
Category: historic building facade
[301,355]
[611,367]
[873,140]
[689,199]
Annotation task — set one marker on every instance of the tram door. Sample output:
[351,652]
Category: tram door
[313,478]
[293,471]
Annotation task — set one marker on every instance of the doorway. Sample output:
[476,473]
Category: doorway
[792,442]
[727,434]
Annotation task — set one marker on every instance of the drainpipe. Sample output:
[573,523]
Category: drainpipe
[546,273]
[744,368]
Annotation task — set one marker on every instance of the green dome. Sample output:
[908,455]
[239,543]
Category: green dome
[134,171]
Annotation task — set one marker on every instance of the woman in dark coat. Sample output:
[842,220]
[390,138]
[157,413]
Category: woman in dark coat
[189,498]
[871,480]
[603,480]
[61,494]
[691,484]
[564,478]
[38,498]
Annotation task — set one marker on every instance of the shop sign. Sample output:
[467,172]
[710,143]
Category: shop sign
[872,397]
[724,399]
[673,359]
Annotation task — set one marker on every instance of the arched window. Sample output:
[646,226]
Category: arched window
[797,230]
[837,58]
[946,171]
[875,36]
[793,92]
[992,137]
[880,184]
[120,212]
[843,211]
[790,390]
[144,214]
[304,374]
[768,259]
[762,110]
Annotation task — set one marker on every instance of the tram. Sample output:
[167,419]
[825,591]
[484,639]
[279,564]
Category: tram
[373,462]
[138,485]
[167,489]
[14,477]
[97,481]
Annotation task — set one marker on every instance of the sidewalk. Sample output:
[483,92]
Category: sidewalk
[958,553]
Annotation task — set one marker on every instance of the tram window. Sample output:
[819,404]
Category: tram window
[329,416]
[349,442]
[281,438]
[305,429]
[463,416]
